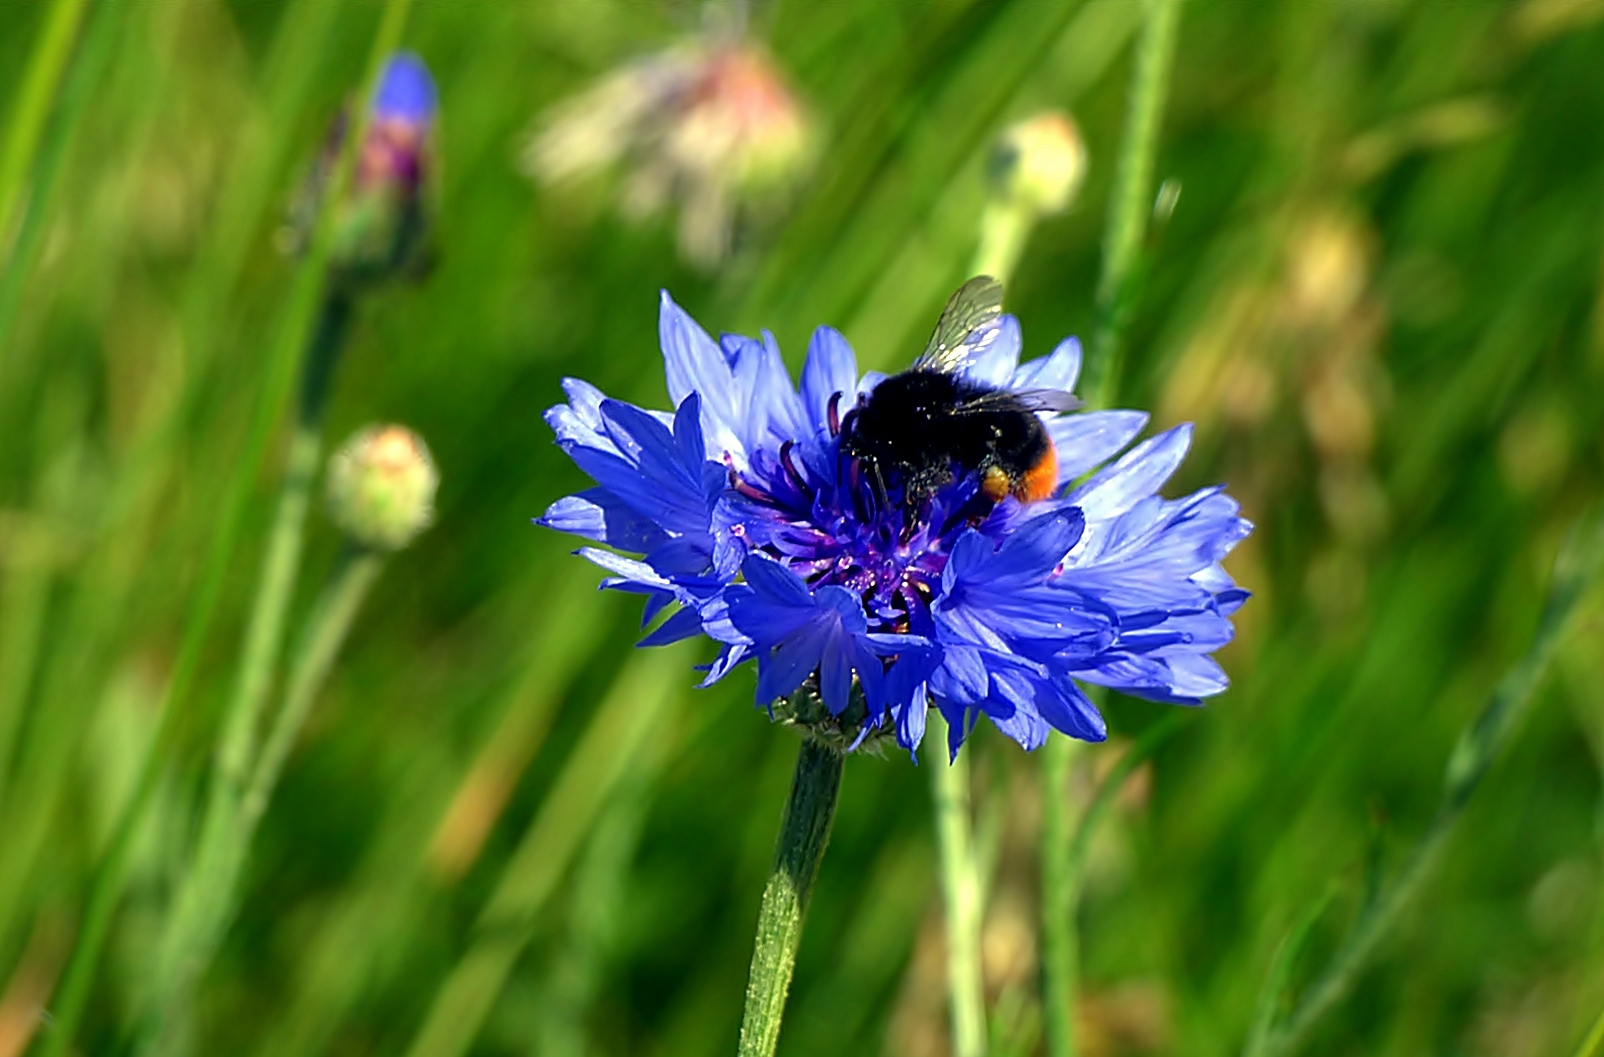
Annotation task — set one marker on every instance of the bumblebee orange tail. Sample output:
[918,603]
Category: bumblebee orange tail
[1038,482]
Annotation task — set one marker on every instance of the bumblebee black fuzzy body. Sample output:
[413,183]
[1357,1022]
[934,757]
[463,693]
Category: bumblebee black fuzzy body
[922,427]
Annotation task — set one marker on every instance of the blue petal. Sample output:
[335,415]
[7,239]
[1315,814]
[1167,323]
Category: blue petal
[1138,474]
[693,363]
[673,508]
[1085,441]
[831,368]
[774,412]
[911,721]
[599,515]
[835,673]
[627,569]
[1012,710]
[688,431]
[1062,704]
[682,625]
[782,672]
[1057,370]
[775,584]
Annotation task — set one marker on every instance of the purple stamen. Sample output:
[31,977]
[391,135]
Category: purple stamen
[791,471]
[757,495]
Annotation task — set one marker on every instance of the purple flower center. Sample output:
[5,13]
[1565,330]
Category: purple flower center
[810,507]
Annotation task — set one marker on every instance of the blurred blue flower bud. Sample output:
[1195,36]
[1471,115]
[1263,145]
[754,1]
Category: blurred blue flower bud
[406,91]
[380,224]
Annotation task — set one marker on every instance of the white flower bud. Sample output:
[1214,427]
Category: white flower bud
[1039,164]
[381,487]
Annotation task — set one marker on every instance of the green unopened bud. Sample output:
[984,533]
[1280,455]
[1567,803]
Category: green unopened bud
[381,487]
[1039,164]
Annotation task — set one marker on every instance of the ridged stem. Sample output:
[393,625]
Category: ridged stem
[1479,745]
[1126,226]
[960,889]
[804,832]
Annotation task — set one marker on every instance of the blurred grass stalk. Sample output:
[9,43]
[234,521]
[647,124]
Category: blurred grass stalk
[1479,745]
[408,863]
[112,570]
[47,66]
[203,894]
[30,571]
[221,860]
[1036,169]
[305,320]
[1592,1044]
[628,726]
[1129,207]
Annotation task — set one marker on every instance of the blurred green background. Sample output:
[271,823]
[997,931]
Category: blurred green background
[1378,296]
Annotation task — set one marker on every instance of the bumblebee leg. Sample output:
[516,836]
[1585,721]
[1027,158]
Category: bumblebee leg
[879,484]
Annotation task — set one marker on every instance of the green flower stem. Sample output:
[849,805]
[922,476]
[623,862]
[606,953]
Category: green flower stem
[1060,899]
[804,832]
[1478,746]
[265,633]
[1132,198]
[326,631]
[960,889]
[1126,226]
[1004,230]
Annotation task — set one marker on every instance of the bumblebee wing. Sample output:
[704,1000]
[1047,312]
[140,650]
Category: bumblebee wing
[967,327]
[1017,399]
[1046,399]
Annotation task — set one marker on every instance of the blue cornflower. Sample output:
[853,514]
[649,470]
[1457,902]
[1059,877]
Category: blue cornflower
[756,530]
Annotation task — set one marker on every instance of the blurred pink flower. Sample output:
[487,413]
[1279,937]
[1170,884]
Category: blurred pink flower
[711,126]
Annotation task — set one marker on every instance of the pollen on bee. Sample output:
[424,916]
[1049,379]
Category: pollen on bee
[994,483]
[1039,481]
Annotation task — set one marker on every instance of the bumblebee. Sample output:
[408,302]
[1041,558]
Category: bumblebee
[932,423]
